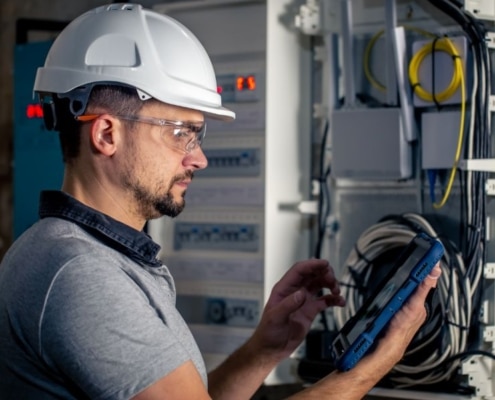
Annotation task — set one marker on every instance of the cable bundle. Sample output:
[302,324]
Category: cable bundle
[445,334]
[478,145]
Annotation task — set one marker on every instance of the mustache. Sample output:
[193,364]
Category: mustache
[186,175]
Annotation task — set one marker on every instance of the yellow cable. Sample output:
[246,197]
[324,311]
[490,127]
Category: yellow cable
[369,48]
[460,139]
[447,46]
[442,44]
[366,63]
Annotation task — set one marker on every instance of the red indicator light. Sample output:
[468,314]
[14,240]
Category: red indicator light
[251,82]
[240,83]
[246,82]
[34,111]
[219,89]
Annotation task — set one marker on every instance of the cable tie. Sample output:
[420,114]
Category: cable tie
[474,227]
[361,255]
[464,328]
[433,80]
[348,285]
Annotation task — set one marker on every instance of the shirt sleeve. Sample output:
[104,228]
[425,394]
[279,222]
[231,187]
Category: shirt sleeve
[100,330]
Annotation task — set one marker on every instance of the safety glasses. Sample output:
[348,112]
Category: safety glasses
[185,135]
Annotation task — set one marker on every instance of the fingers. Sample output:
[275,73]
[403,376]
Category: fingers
[309,277]
[305,304]
[313,274]
[302,298]
[305,269]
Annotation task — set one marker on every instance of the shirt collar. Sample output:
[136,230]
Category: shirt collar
[138,245]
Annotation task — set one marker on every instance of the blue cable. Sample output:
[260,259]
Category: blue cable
[432,179]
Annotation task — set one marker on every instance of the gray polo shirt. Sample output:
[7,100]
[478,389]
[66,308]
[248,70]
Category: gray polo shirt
[86,309]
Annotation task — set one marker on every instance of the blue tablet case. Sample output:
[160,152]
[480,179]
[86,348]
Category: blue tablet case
[359,333]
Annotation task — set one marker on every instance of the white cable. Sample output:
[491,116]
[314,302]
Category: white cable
[471,137]
[454,292]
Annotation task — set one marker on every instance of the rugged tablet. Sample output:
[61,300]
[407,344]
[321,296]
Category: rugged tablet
[358,334]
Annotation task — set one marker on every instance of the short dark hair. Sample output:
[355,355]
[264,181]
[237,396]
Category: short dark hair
[114,99]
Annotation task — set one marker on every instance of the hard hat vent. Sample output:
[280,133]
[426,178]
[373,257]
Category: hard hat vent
[113,50]
[117,7]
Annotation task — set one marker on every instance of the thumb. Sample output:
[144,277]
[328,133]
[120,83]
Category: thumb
[429,283]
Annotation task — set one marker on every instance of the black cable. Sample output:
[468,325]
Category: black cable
[473,197]
[469,353]
[323,208]
[323,194]
[433,74]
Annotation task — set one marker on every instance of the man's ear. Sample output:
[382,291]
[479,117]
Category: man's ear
[104,134]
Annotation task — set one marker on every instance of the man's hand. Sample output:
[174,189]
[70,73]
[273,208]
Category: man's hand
[355,383]
[405,324]
[295,301]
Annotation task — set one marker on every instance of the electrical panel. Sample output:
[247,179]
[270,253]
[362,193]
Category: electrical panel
[241,230]
[370,144]
[439,139]
[432,59]
[37,158]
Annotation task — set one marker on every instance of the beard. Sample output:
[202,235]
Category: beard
[154,204]
[168,206]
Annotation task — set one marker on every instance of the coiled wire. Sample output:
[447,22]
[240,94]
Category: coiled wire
[439,44]
[425,360]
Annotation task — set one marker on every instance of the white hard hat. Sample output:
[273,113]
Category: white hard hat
[129,45]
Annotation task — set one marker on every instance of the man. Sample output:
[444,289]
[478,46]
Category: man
[87,311]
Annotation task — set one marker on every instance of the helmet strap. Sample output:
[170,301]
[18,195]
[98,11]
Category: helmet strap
[78,101]
[49,114]
[78,98]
